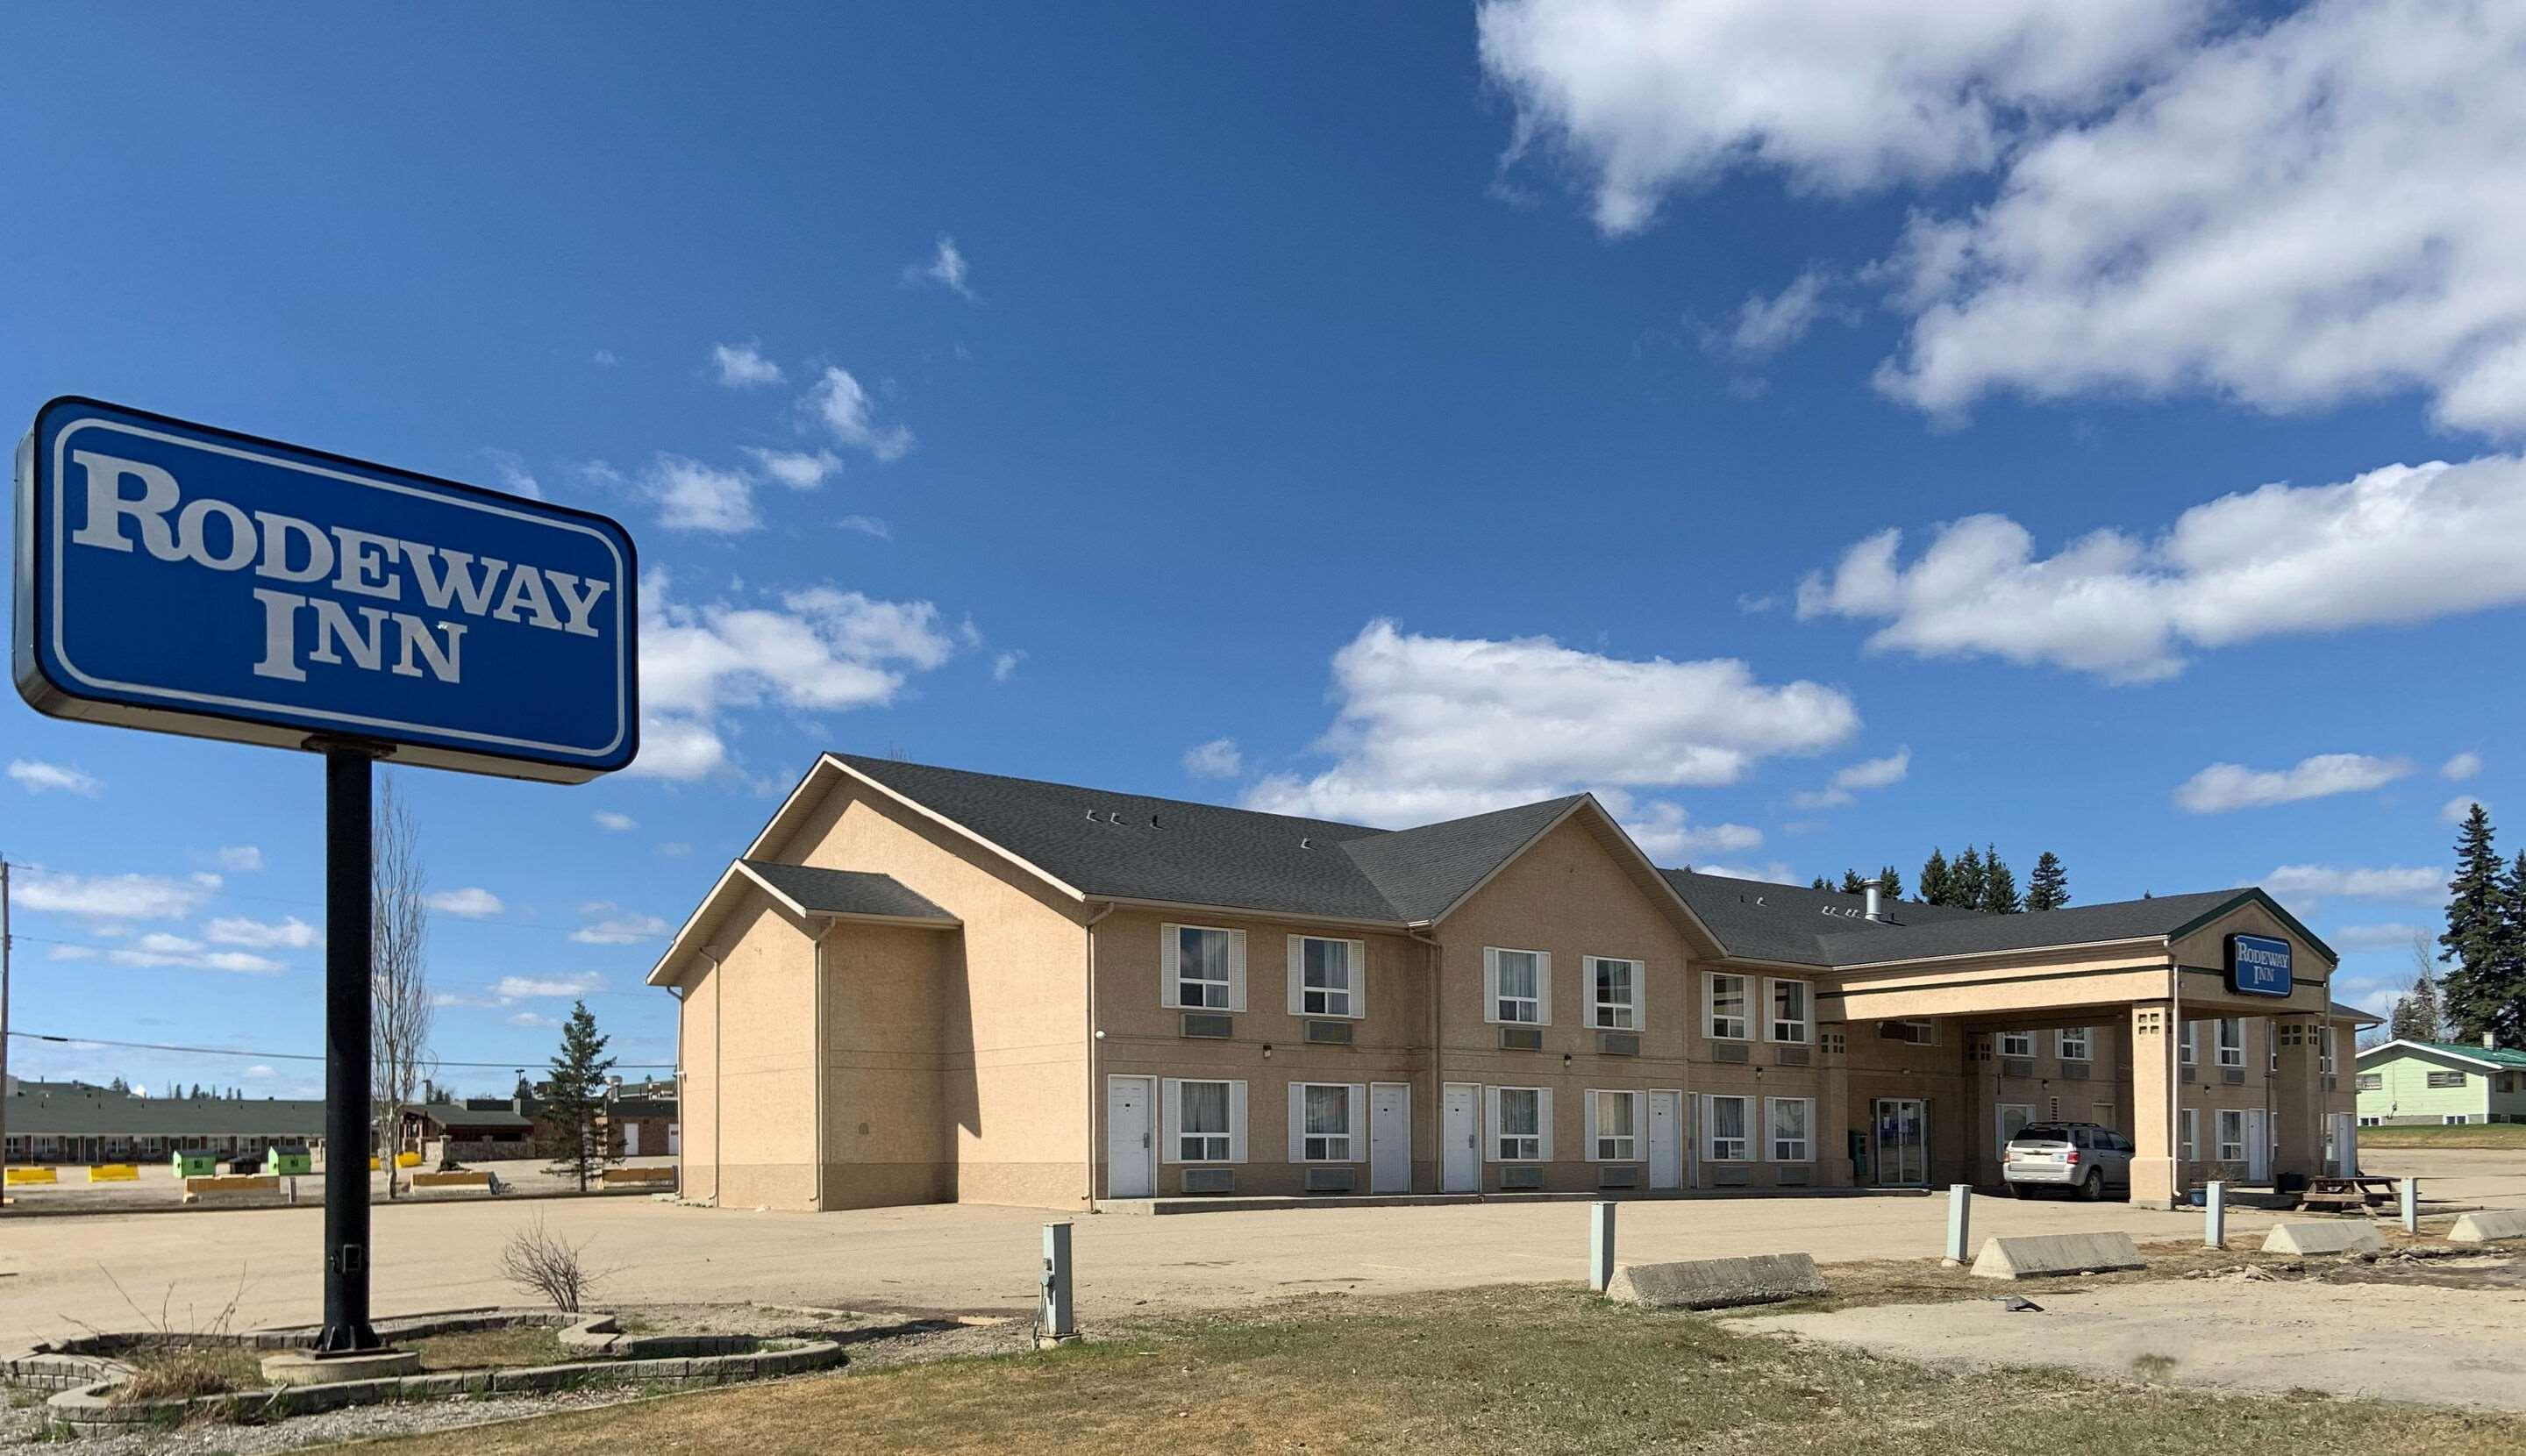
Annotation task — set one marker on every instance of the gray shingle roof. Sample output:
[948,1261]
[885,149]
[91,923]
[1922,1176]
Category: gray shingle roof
[1765,922]
[109,1114]
[2072,924]
[848,892]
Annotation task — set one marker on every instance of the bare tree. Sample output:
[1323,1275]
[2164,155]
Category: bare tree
[541,1262]
[399,1001]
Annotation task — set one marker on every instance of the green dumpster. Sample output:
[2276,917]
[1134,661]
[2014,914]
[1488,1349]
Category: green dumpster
[193,1162]
[290,1159]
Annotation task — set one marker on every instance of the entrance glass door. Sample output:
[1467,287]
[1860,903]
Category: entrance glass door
[1903,1126]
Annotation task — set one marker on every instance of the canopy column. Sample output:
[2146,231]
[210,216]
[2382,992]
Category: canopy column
[2156,1179]
[2297,1096]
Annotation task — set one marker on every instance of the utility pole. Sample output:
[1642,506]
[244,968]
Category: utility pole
[4,1032]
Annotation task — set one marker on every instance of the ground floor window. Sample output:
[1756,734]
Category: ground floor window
[1521,1124]
[2013,1117]
[1321,1122]
[2455,1119]
[1614,1126]
[1201,1122]
[2372,1121]
[2189,1129]
[1792,1123]
[1729,1134]
[2232,1137]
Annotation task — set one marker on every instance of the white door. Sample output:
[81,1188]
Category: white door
[1460,1162]
[2345,1145]
[1131,1170]
[1666,1139]
[1389,1137]
[631,1140]
[675,1139]
[2259,1146]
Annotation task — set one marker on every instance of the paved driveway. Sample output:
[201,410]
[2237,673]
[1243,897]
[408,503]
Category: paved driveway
[983,1258]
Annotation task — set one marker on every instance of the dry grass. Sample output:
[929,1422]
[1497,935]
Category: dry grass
[180,1373]
[2506,1135]
[492,1349]
[1532,1368]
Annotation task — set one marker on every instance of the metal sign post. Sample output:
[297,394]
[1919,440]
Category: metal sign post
[190,580]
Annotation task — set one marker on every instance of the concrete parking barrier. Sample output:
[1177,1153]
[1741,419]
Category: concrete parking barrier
[231,1183]
[617,1178]
[481,1180]
[1717,1284]
[114,1173]
[2333,1236]
[2051,1255]
[2488,1225]
[23,1177]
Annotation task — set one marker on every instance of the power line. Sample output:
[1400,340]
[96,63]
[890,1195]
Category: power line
[271,1056]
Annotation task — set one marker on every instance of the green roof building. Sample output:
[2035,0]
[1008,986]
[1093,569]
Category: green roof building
[2434,1083]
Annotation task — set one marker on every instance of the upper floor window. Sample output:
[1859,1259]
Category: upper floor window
[1520,985]
[2071,1043]
[2231,1042]
[2324,1054]
[1326,976]
[2369,1081]
[2447,1078]
[1204,968]
[1724,998]
[2017,1044]
[1618,992]
[1790,1015]
[2186,1035]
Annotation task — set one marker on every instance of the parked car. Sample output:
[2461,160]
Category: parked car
[2084,1158]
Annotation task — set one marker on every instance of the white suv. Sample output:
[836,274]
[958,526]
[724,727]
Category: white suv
[2086,1158]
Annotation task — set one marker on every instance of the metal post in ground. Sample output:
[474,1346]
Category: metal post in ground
[2411,1195]
[1600,1244]
[1959,1220]
[2214,1215]
[347,857]
[1053,1322]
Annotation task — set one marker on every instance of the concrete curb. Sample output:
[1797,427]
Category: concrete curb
[2489,1225]
[2330,1238]
[2053,1255]
[1717,1284]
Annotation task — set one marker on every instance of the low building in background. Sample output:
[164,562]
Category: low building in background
[82,1122]
[2408,1083]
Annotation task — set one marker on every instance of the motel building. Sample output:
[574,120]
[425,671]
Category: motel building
[922,984]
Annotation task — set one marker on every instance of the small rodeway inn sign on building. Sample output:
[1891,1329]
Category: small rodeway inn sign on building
[195,580]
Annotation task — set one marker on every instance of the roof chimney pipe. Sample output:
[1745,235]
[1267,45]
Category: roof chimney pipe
[1874,910]
[2490,1041]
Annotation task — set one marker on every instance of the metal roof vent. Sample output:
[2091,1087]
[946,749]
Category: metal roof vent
[1876,909]
[1153,822]
[1304,843]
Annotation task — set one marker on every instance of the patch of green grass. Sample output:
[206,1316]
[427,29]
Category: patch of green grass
[1531,1369]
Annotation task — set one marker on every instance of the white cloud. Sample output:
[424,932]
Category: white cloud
[1004,664]
[693,497]
[799,469]
[1767,326]
[1841,96]
[532,1019]
[522,987]
[470,902]
[241,963]
[618,822]
[820,649]
[1434,727]
[2223,788]
[2460,768]
[674,849]
[610,924]
[844,408]
[1772,870]
[1848,784]
[946,268]
[160,942]
[603,359]
[867,525]
[2398,545]
[113,896]
[1665,833]
[514,477]
[161,951]
[259,934]
[36,776]
[1217,759]
[743,367]
[259,1071]
[2305,883]
[2457,810]
[238,859]
[2311,210]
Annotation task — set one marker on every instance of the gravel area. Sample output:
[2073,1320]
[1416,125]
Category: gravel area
[20,1434]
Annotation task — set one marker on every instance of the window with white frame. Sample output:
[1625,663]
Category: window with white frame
[1203,966]
[2013,1117]
[1203,1133]
[1518,1132]
[1324,1113]
[2188,1125]
[2369,1081]
[2445,1079]
[2231,1129]
[2231,1042]
[2454,1119]
[1614,1126]
[2272,1046]
[2017,1044]
[1617,991]
[1790,1020]
[2187,1038]
[1729,1135]
[2071,1044]
[1792,1126]
[1325,975]
[1724,998]
[2324,1054]
[1519,981]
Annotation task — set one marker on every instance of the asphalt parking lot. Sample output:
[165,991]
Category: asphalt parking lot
[59,1273]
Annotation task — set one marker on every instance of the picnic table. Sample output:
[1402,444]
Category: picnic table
[2346,1194]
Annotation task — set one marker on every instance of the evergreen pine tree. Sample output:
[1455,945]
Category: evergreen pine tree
[571,1131]
[1965,880]
[2477,927]
[2048,889]
[1890,885]
[1820,883]
[1999,884]
[2504,987]
[1933,889]
[1851,884]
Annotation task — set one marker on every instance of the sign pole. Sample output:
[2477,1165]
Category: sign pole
[348,851]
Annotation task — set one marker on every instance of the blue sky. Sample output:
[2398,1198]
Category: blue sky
[1376,412]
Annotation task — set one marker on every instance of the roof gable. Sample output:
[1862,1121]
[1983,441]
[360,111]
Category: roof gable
[2497,1057]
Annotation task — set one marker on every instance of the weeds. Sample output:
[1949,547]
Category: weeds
[541,1262]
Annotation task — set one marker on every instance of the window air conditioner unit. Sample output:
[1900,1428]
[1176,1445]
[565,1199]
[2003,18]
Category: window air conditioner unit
[2074,1072]
[1521,1039]
[1332,1179]
[1520,1175]
[1731,1051]
[1210,1180]
[1329,1033]
[1791,1056]
[2016,1067]
[1619,1043]
[1208,1023]
[1618,1177]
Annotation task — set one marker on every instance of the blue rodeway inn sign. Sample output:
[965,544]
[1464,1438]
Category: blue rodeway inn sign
[2259,966]
[176,577]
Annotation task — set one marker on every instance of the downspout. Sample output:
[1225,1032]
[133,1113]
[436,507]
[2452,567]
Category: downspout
[1095,1104]
[816,1058]
[1438,1064]
[2174,1065]
[719,1077]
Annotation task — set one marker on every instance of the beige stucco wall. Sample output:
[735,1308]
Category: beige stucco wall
[886,1137]
[748,1057]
